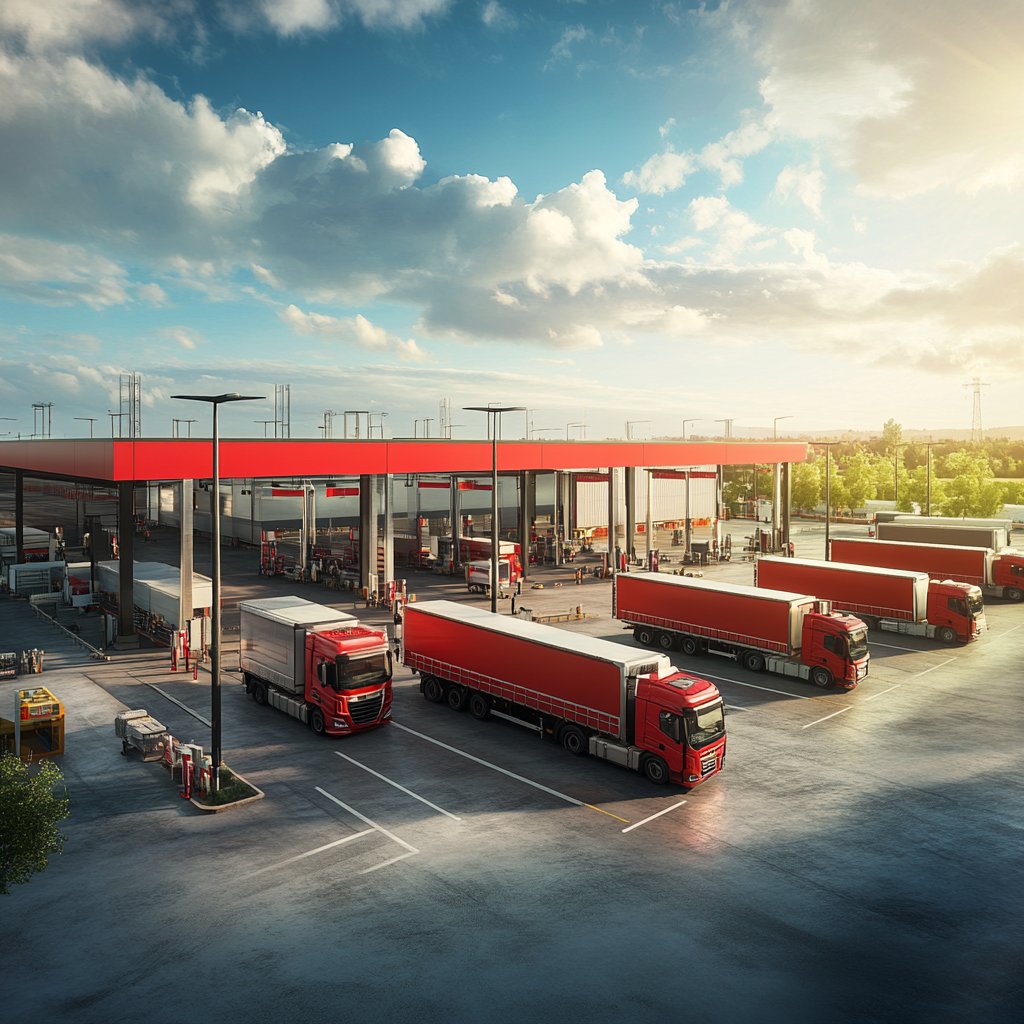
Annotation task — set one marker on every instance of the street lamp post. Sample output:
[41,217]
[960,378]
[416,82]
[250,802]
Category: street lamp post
[775,424]
[693,419]
[215,725]
[496,411]
[90,419]
[896,469]
[827,445]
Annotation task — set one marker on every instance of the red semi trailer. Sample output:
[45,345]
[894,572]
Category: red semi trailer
[591,695]
[791,634]
[894,600]
[997,574]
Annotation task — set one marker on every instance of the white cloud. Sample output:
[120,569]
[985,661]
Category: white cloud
[908,95]
[667,171]
[493,15]
[354,329]
[570,35]
[735,229]
[62,275]
[806,182]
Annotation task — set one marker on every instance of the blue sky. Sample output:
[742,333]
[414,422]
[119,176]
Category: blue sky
[599,210]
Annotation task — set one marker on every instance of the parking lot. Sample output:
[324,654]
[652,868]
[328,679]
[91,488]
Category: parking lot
[858,859]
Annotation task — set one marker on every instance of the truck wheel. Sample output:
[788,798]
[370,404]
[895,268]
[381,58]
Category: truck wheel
[947,634]
[666,641]
[433,690]
[457,699]
[821,677]
[479,707]
[1014,594]
[643,635]
[753,662]
[259,693]
[656,770]
[574,741]
[316,721]
[689,645]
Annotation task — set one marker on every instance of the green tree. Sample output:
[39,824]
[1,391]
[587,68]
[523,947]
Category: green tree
[858,480]
[916,489]
[29,812]
[805,485]
[892,435]
[971,491]
[838,498]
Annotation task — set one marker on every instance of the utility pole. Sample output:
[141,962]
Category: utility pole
[693,419]
[90,419]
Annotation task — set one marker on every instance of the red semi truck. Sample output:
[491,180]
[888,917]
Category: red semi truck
[998,574]
[316,664]
[591,695]
[791,634]
[894,600]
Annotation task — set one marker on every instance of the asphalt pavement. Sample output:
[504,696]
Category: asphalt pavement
[858,859]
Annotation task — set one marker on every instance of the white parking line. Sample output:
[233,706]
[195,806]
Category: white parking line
[879,694]
[826,718]
[174,700]
[913,650]
[487,764]
[754,686]
[653,816]
[1012,629]
[377,867]
[736,707]
[372,824]
[308,853]
[933,668]
[391,782]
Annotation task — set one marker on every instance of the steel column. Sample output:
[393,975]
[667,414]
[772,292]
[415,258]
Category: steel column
[187,560]
[524,521]
[631,513]
[19,517]
[127,637]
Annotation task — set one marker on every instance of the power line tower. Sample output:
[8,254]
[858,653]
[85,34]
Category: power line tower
[977,430]
[43,413]
[131,404]
[282,410]
[328,427]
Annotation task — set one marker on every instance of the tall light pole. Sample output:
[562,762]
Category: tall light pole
[90,419]
[896,469]
[630,424]
[693,419]
[496,411]
[215,740]
[827,445]
[775,425]
[928,499]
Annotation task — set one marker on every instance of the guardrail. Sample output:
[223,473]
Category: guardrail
[67,632]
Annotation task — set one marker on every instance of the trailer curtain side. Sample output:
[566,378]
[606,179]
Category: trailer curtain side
[766,619]
[941,562]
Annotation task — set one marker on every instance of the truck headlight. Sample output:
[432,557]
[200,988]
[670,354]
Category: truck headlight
[693,778]
[340,724]
[387,714]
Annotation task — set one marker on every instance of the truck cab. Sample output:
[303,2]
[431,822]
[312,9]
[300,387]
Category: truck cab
[347,676]
[681,718]
[837,645]
[957,606]
[1008,574]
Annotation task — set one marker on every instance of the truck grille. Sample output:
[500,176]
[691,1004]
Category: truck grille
[366,709]
[708,763]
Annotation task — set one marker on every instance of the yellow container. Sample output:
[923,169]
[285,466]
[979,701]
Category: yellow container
[41,725]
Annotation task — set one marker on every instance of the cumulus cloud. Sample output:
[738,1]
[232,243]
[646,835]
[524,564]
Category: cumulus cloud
[355,329]
[62,275]
[734,228]
[908,96]
[667,171]
[805,182]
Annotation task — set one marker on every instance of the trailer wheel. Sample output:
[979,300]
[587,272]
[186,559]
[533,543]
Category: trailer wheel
[479,707]
[574,741]
[316,721]
[656,770]
[666,641]
[457,698]
[754,662]
[259,693]
[689,645]
[432,689]
[821,677]
[947,634]
[643,635]
[1014,594]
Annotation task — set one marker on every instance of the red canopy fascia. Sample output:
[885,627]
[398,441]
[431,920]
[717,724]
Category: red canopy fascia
[112,460]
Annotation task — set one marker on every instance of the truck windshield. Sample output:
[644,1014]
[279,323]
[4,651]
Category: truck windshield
[704,726]
[975,604]
[354,673]
[858,644]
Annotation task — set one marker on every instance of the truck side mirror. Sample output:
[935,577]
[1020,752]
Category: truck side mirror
[391,668]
